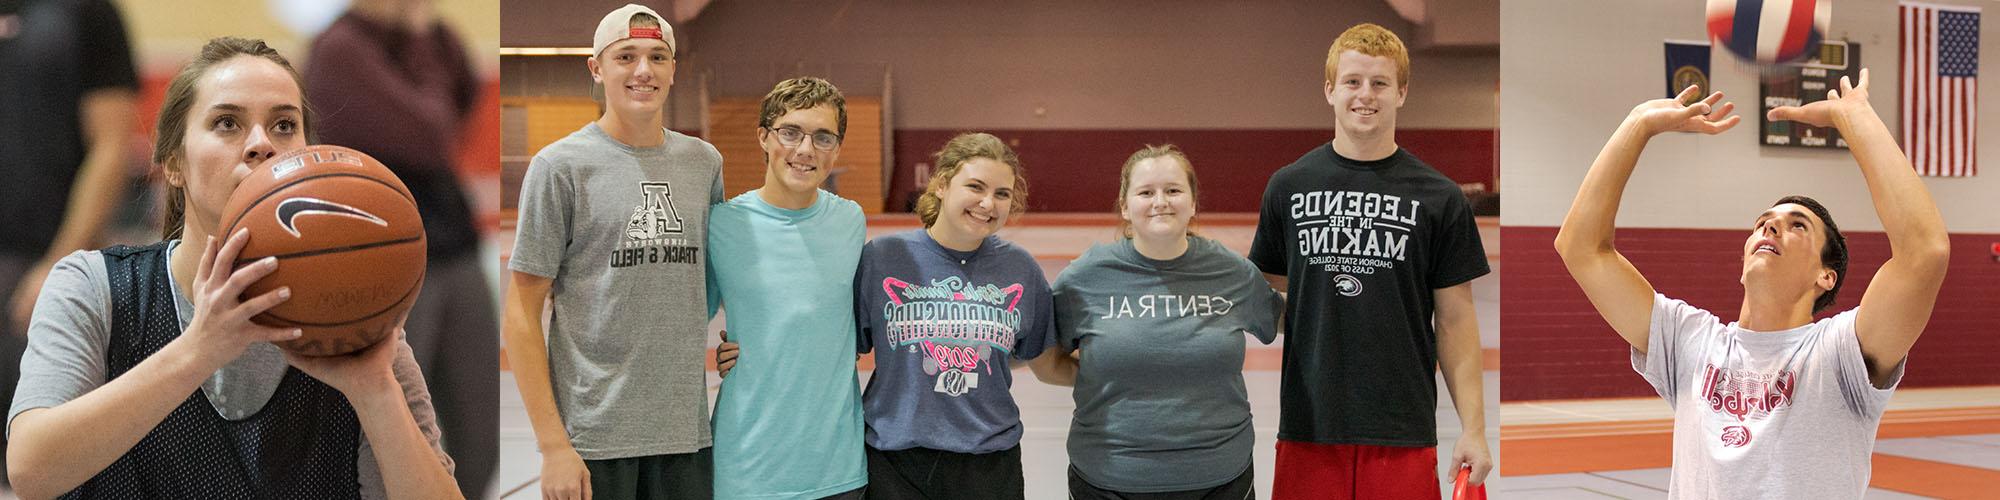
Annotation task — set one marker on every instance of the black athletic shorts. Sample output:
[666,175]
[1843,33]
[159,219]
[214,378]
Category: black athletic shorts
[686,476]
[923,474]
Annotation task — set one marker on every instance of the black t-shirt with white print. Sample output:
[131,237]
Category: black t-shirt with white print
[1363,244]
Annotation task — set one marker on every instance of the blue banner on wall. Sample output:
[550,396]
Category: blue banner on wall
[1687,65]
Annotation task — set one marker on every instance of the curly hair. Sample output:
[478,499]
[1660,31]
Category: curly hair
[953,157]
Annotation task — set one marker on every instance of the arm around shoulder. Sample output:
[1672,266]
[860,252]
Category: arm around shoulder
[1056,367]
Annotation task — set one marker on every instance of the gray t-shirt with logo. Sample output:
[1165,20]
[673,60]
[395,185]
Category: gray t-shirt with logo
[620,230]
[1785,414]
[1160,402]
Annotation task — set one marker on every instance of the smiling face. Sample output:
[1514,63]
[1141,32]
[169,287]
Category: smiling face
[976,201]
[245,110]
[636,73]
[1782,252]
[803,167]
[1365,93]
[1159,199]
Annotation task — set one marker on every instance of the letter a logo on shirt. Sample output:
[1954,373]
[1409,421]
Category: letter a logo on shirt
[655,216]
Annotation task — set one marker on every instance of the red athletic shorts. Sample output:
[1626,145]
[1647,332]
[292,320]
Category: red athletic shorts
[1313,471]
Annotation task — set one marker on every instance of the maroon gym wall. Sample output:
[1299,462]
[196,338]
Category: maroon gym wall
[1077,170]
[1557,347]
[1081,85]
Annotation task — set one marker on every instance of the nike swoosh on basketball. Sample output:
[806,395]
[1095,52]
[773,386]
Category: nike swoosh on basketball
[292,208]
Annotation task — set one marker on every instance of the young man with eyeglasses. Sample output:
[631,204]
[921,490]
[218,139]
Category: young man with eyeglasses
[788,417]
[612,229]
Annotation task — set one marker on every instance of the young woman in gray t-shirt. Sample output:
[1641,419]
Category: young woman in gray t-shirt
[1150,332]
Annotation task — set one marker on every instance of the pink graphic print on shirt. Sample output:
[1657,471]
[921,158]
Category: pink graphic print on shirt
[1745,396]
[960,328]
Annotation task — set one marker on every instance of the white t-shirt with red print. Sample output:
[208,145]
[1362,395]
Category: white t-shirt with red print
[1784,414]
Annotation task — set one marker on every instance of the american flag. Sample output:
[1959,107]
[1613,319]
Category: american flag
[1940,101]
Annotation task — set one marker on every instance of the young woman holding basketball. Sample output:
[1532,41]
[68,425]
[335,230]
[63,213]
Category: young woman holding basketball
[1149,329]
[144,377]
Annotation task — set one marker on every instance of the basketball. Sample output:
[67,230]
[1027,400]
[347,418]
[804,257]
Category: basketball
[1769,32]
[349,243]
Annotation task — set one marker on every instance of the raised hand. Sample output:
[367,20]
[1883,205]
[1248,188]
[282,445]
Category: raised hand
[1710,116]
[1849,97]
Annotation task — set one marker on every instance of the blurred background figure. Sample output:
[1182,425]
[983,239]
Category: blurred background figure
[67,86]
[392,79]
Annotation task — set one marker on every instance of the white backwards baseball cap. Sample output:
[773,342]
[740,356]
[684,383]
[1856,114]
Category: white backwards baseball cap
[618,26]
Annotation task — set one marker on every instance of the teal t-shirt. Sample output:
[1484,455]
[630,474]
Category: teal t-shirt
[788,417]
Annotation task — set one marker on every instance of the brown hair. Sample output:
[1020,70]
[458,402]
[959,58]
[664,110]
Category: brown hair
[1370,40]
[1151,152]
[802,93]
[955,154]
[644,20]
[171,129]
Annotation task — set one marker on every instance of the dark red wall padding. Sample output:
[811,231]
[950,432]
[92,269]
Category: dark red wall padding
[1555,345]
[1077,170]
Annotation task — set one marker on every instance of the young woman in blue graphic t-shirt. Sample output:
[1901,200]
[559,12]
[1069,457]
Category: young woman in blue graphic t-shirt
[948,310]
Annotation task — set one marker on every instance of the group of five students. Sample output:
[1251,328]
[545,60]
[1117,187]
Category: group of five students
[624,225]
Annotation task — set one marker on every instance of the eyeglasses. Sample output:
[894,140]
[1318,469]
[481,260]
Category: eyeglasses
[792,136]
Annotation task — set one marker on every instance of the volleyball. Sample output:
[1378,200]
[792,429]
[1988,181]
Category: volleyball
[1769,31]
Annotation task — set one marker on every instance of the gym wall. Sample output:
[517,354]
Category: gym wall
[1574,69]
[1075,86]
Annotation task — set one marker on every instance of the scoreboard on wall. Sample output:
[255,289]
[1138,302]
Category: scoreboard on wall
[1798,84]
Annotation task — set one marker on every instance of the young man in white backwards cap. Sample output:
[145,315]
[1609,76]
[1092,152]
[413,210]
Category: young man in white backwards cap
[612,229]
